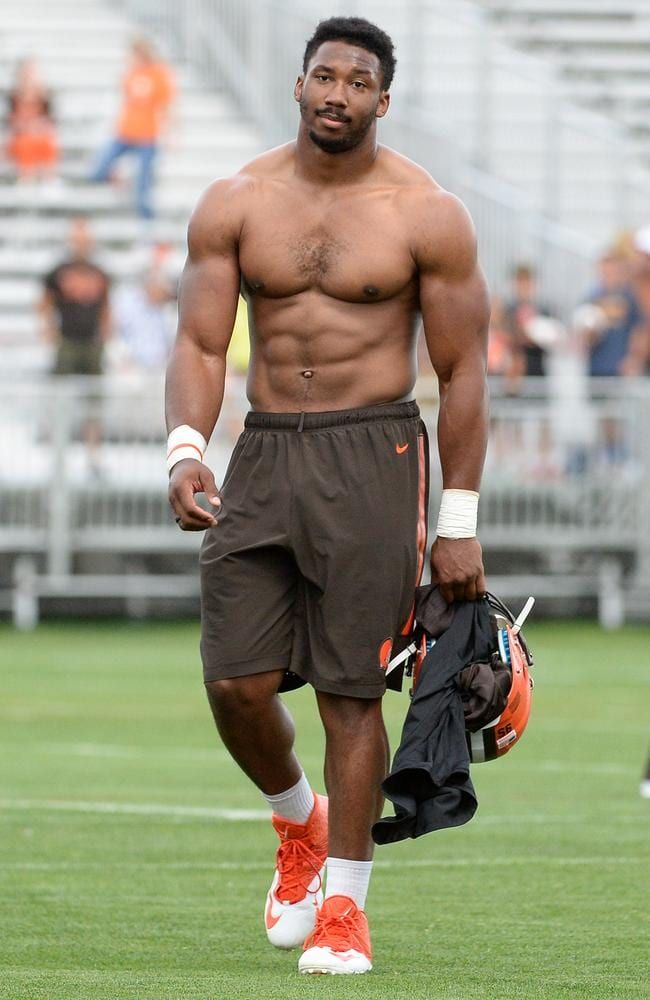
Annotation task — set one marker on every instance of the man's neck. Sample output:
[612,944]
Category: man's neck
[315,165]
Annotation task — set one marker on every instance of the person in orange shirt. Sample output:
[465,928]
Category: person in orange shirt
[32,144]
[148,91]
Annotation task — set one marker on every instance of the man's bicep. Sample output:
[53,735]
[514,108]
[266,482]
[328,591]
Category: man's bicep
[207,300]
[455,313]
[209,287]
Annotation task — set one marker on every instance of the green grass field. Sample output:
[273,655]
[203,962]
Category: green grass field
[125,875]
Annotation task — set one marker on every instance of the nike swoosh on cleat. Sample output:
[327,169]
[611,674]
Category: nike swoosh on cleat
[401,448]
[269,919]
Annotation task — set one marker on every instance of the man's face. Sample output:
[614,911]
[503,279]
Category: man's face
[525,287]
[612,270]
[341,96]
[80,238]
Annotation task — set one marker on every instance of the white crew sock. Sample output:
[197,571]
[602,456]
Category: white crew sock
[295,804]
[348,878]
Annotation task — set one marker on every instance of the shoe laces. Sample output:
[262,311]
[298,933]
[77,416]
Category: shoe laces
[340,931]
[297,865]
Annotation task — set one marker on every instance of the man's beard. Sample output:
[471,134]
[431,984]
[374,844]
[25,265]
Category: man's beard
[342,144]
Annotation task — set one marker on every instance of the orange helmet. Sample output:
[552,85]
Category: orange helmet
[505,682]
[500,734]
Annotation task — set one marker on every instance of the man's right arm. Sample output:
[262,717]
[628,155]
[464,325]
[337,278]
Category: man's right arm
[207,304]
[47,316]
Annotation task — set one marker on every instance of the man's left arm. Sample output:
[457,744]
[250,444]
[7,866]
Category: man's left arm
[455,311]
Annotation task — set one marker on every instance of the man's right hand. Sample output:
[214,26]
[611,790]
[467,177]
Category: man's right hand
[187,478]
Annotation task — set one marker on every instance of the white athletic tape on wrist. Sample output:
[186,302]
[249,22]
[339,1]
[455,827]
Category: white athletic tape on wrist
[458,514]
[185,442]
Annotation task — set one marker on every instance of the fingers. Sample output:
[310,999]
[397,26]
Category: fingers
[209,486]
[457,567]
[191,517]
[188,478]
[459,590]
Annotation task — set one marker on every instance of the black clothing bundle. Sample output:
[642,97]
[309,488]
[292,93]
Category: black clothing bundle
[429,784]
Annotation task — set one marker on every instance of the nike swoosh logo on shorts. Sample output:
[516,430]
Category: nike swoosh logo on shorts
[401,448]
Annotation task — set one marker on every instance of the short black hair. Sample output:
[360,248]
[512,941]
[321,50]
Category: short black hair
[355,31]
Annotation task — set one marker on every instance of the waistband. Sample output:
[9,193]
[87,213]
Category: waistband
[331,418]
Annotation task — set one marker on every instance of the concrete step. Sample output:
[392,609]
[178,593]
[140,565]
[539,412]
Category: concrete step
[618,64]
[193,107]
[187,139]
[18,327]
[30,264]
[565,35]
[92,199]
[588,9]
[85,69]
[115,230]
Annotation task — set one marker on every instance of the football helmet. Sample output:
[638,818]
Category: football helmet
[488,739]
[496,695]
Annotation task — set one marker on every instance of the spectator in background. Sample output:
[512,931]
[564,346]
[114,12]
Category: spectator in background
[610,341]
[144,322]
[74,306]
[522,312]
[148,91]
[32,143]
[638,357]
[499,359]
[75,313]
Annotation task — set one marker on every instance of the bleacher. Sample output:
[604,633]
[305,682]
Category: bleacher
[474,110]
[600,50]
[81,49]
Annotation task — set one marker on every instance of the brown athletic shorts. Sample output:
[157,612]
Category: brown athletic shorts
[313,565]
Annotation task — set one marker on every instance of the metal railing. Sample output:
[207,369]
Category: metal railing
[253,49]
[565,486]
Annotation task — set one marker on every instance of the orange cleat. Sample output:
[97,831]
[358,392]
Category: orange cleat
[340,943]
[297,888]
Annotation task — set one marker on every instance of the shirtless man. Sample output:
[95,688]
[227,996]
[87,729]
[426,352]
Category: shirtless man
[340,246]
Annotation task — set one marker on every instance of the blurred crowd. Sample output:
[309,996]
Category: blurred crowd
[91,322]
[608,333]
[92,325]
[147,92]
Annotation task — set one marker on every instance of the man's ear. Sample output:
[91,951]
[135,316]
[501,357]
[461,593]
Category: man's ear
[384,103]
[297,90]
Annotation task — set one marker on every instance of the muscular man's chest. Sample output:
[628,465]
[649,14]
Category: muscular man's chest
[355,255]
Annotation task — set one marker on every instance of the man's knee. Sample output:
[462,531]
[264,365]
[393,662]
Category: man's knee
[243,694]
[350,714]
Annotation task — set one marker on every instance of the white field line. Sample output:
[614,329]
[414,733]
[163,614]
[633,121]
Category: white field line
[137,809]
[112,751]
[263,815]
[69,866]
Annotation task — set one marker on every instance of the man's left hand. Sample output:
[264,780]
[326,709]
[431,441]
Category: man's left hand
[457,567]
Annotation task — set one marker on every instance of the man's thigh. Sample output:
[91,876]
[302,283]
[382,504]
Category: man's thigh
[248,575]
[361,555]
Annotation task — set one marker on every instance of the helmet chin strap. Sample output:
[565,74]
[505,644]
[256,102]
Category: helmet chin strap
[518,623]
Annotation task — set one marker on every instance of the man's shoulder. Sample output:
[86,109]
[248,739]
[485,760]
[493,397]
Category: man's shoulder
[420,192]
[269,165]
[403,172]
[231,194]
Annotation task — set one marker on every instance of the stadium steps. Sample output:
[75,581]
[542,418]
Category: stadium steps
[599,49]
[507,110]
[81,46]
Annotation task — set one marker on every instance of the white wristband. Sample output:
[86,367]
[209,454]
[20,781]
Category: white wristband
[184,442]
[458,514]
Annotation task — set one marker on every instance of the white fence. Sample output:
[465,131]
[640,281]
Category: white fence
[564,507]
